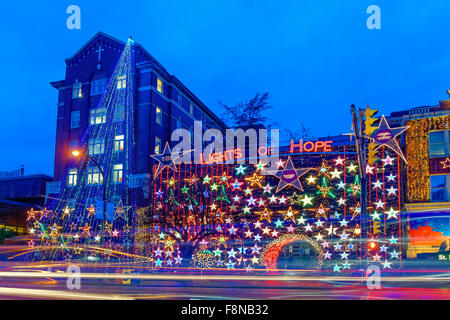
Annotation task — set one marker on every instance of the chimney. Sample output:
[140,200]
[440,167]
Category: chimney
[445,103]
[22,169]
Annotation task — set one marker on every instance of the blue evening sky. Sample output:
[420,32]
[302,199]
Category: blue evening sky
[315,58]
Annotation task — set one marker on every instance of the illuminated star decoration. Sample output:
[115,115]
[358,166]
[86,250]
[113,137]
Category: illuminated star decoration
[445,163]
[120,210]
[165,159]
[384,135]
[289,176]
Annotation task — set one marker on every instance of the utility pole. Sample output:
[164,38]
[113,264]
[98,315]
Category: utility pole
[359,143]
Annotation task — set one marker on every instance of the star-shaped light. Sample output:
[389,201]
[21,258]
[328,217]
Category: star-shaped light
[290,176]
[266,214]
[384,135]
[392,213]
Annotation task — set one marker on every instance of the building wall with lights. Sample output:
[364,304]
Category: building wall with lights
[427,190]
[161,104]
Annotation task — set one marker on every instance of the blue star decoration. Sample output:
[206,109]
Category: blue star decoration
[167,160]
[384,135]
[289,176]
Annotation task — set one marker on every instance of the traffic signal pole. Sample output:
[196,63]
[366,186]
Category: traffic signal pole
[359,143]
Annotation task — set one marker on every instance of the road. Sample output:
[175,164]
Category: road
[31,280]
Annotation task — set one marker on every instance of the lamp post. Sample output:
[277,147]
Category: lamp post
[76,154]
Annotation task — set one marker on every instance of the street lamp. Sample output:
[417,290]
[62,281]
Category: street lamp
[76,154]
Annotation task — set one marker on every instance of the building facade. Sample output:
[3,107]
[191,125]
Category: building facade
[426,144]
[19,193]
[158,100]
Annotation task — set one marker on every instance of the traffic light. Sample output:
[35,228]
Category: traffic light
[376,227]
[369,121]
[372,245]
[371,154]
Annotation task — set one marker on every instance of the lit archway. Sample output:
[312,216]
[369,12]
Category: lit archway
[273,249]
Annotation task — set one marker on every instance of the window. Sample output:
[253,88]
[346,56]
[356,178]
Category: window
[437,143]
[97,116]
[191,109]
[158,116]
[72,177]
[94,176]
[75,119]
[119,113]
[157,145]
[96,146]
[118,143]
[159,86]
[117,173]
[180,99]
[73,145]
[76,90]
[438,188]
[98,87]
[178,123]
[122,82]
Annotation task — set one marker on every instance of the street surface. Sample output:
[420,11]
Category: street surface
[33,280]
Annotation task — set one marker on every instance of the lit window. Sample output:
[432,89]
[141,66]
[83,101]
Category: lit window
[158,116]
[96,146]
[178,123]
[73,145]
[157,145]
[97,116]
[94,176]
[72,178]
[439,143]
[98,87]
[76,90]
[75,119]
[118,143]
[438,188]
[119,113]
[159,85]
[191,109]
[122,82]
[117,173]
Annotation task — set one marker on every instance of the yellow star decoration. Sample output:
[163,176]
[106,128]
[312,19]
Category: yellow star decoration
[44,213]
[266,214]
[290,214]
[356,211]
[255,179]
[108,227]
[445,163]
[86,229]
[54,230]
[171,182]
[126,228]
[321,211]
[91,210]
[355,188]
[295,199]
[323,171]
[168,244]
[352,167]
[311,179]
[66,212]
[324,190]
[192,180]
[356,231]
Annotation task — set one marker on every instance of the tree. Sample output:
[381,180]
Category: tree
[303,133]
[248,114]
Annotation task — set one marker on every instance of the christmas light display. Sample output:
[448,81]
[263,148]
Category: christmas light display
[75,227]
[240,216]
[417,151]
